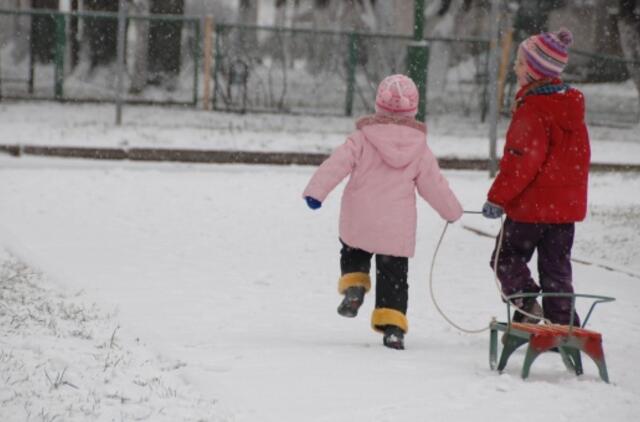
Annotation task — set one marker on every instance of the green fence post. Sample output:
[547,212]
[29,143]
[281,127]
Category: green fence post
[351,73]
[58,74]
[196,61]
[418,58]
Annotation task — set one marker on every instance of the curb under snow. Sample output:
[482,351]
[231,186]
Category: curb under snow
[238,157]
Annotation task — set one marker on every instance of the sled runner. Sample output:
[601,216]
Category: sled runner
[568,340]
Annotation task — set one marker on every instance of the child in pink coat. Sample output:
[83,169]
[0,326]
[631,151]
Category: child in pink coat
[387,158]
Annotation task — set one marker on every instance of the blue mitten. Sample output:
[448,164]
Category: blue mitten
[313,203]
[490,210]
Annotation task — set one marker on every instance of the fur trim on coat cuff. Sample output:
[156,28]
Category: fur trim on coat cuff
[387,316]
[354,280]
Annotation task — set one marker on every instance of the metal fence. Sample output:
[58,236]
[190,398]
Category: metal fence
[73,75]
[303,71]
[261,69]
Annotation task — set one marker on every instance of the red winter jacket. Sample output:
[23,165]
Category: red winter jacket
[545,164]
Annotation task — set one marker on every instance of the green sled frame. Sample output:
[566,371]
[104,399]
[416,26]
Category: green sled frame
[568,340]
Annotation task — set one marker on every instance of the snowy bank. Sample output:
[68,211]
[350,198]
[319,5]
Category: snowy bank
[62,358]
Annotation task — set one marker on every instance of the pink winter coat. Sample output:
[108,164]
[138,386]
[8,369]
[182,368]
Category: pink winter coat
[388,158]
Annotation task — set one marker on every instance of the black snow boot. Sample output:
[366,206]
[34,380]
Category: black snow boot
[393,337]
[531,306]
[353,298]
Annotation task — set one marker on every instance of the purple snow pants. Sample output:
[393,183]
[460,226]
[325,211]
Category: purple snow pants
[553,243]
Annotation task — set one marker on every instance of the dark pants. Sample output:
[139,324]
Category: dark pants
[553,242]
[391,275]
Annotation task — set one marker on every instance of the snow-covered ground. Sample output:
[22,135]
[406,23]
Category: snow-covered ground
[62,358]
[93,126]
[223,286]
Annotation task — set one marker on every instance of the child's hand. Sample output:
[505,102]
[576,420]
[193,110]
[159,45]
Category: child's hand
[313,203]
[490,210]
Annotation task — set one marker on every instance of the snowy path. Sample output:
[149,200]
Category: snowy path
[224,269]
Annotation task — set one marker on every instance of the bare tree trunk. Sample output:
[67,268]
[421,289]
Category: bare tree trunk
[43,28]
[165,41]
[322,15]
[320,52]
[248,12]
[285,10]
[140,62]
[101,32]
[440,52]
[74,26]
[385,55]
[629,27]
[248,15]
[21,32]
[532,16]
[349,15]
[385,12]
[281,13]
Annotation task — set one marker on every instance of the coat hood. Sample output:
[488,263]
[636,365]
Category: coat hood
[399,140]
[565,108]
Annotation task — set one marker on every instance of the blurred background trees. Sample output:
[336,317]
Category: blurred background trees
[604,26]
[158,52]
[629,27]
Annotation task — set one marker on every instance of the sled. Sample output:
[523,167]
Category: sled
[567,340]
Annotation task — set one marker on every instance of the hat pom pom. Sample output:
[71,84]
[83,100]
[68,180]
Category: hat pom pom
[565,36]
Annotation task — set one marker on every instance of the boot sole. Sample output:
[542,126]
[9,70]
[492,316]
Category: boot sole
[347,313]
[395,346]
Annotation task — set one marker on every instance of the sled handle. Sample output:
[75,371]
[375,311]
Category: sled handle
[596,300]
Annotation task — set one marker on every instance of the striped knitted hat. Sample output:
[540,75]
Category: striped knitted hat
[546,54]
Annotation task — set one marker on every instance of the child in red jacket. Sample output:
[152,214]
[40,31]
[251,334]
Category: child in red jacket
[543,178]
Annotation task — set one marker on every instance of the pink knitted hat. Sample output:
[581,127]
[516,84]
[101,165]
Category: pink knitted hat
[397,94]
[546,54]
